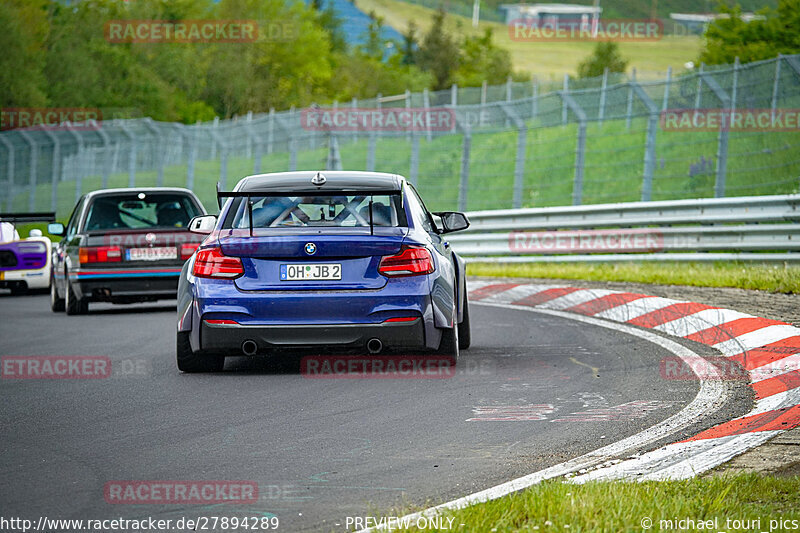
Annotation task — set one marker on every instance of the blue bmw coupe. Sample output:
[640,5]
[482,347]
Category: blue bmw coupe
[323,260]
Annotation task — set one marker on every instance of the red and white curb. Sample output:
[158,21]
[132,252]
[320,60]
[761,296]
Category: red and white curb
[768,350]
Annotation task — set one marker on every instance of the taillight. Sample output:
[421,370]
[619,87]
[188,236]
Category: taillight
[187,249]
[411,261]
[100,254]
[212,263]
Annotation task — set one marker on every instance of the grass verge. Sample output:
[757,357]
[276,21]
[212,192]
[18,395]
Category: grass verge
[766,277]
[759,503]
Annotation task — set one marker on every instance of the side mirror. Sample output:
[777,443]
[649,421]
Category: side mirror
[452,221]
[35,233]
[203,224]
[55,228]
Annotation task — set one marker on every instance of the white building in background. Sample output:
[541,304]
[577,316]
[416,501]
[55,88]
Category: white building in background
[698,22]
[551,14]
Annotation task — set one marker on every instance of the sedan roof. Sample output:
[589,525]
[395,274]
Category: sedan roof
[300,181]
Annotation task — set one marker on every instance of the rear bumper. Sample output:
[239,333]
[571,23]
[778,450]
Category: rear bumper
[32,279]
[108,287]
[224,338]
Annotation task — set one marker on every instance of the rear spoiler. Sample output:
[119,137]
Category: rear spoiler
[311,192]
[24,218]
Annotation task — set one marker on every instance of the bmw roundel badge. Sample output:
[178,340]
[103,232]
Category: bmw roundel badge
[311,248]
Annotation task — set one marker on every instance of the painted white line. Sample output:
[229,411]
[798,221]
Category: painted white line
[636,308]
[680,460]
[783,399]
[478,284]
[575,298]
[707,318]
[776,368]
[710,397]
[756,339]
[518,293]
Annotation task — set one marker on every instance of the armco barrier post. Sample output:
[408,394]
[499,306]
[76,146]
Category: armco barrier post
[270,129]
[106,153]
[79,157]
[601,109]
[292,151]
[629,109]
[519,165]
[34,152]
[414,164]
[775,85]
[580,148]
[698,97]
[131,153]
[192,132]
[463,186]
[55,168]
[722,139]
[667,83]
[158,150]
[10,170]
[650,140]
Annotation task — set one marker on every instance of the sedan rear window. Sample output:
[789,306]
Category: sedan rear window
[140,211]
[320,211]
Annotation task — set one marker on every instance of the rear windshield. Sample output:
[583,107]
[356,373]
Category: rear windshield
[140,211]
[319,211]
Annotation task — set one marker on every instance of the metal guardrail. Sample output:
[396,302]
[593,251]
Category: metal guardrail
[756,228]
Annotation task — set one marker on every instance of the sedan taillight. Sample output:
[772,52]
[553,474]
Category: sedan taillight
[411,261]
[212,263]
[99,254]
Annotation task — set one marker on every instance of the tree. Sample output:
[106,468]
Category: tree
[439,53]
[482,60]
[606,55]
[25,27]
[332,24]
[778,32]
[373,47]
[409,49]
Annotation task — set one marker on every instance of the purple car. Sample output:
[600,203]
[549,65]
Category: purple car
[325,260]
[24,263]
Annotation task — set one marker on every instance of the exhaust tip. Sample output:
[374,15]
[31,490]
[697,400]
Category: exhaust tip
[374,345]
[249,347]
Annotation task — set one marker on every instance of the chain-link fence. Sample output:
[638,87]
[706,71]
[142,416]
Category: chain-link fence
[515,145]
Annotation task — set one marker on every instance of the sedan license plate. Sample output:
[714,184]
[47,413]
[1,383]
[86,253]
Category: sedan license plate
[311,272]
[151,254]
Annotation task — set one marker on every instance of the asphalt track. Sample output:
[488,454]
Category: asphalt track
[533,391]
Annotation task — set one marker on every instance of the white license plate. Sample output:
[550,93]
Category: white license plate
[306,271]
[151,254]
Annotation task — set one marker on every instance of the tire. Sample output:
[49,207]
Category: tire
[464,331]
[74,305]
[449,344]
[56,302]
[190,361]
